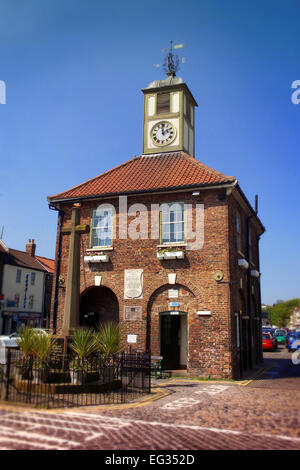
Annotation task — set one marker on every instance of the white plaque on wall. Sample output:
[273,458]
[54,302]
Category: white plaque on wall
[173,293]
[98,280]
[133,284]
[131,339]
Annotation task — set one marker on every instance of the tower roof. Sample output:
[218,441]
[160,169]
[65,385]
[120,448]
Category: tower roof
[158,172]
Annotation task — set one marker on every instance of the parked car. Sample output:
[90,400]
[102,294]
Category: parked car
[272,333]
[268,342]
[9,341]
[280,335]
[288,337]
[294,342]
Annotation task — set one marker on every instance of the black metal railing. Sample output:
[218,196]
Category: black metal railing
[67,380]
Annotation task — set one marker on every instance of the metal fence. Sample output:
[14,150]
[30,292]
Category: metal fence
[67,381]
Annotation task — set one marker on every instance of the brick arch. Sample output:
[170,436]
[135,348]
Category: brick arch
[155,307]
[103,302]
[179,280]
[113,287]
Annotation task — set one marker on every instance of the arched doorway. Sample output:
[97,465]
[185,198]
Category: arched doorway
[98,305]
[168,312]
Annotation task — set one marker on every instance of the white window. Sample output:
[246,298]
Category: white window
[32,279]
[102,227]
[18,276]
[172,223]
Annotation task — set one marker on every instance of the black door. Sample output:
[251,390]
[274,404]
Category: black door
[169,341]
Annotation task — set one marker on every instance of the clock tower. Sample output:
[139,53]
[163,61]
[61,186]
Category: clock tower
[168,117]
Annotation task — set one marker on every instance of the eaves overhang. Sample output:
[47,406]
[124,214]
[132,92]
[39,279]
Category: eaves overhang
[141,192]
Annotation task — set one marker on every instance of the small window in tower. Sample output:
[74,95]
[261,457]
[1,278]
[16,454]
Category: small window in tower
[163,103]
[188,111]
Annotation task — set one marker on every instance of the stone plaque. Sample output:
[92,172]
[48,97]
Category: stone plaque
[133,284]
[132,313]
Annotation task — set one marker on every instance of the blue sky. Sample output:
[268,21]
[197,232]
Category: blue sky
[74,70]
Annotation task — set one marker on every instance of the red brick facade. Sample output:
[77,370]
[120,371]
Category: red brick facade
[219,345]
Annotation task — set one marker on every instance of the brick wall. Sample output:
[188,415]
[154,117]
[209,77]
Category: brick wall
[211,348]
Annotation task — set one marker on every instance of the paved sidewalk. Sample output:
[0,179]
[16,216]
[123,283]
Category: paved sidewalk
[180,414]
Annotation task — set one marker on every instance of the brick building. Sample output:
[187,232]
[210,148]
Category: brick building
[166,246]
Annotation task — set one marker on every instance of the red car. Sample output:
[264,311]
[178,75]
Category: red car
[268,342]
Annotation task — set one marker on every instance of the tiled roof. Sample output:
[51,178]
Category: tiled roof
[22,259]
[49,264]
[148,173]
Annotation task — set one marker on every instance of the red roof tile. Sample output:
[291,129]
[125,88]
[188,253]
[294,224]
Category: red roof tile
[47,263]
[148,173]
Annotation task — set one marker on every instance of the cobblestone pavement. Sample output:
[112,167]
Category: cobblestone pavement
[265,414]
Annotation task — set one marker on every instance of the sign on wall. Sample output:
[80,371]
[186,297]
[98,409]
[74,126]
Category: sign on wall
[133,284]
[133,313]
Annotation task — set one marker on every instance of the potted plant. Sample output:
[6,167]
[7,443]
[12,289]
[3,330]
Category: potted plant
[83,345]
[26,341]
[108,340]
[44,345]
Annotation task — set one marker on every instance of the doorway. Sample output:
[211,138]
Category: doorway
[98,305]
[173,340]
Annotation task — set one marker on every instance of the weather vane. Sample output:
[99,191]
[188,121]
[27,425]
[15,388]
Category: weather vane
[171,62]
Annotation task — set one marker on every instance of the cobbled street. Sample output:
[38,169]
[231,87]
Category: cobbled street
[180,415]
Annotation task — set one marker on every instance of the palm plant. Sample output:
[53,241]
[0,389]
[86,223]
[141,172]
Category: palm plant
[108,339]
[43,347]
[27,341]
[83,343]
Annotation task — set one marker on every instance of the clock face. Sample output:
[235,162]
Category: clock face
[163,133]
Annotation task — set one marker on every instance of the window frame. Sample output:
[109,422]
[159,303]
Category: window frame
[112,226]
[19,271]
[30,302]
[32,278]
[178,242]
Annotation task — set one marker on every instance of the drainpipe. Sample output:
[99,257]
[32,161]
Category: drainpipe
[261,357]
[55,303]
[249,284]
[249,295]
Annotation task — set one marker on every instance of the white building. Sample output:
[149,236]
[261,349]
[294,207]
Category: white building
[25,288]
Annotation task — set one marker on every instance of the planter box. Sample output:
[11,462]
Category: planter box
[96,259]
[171,255]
